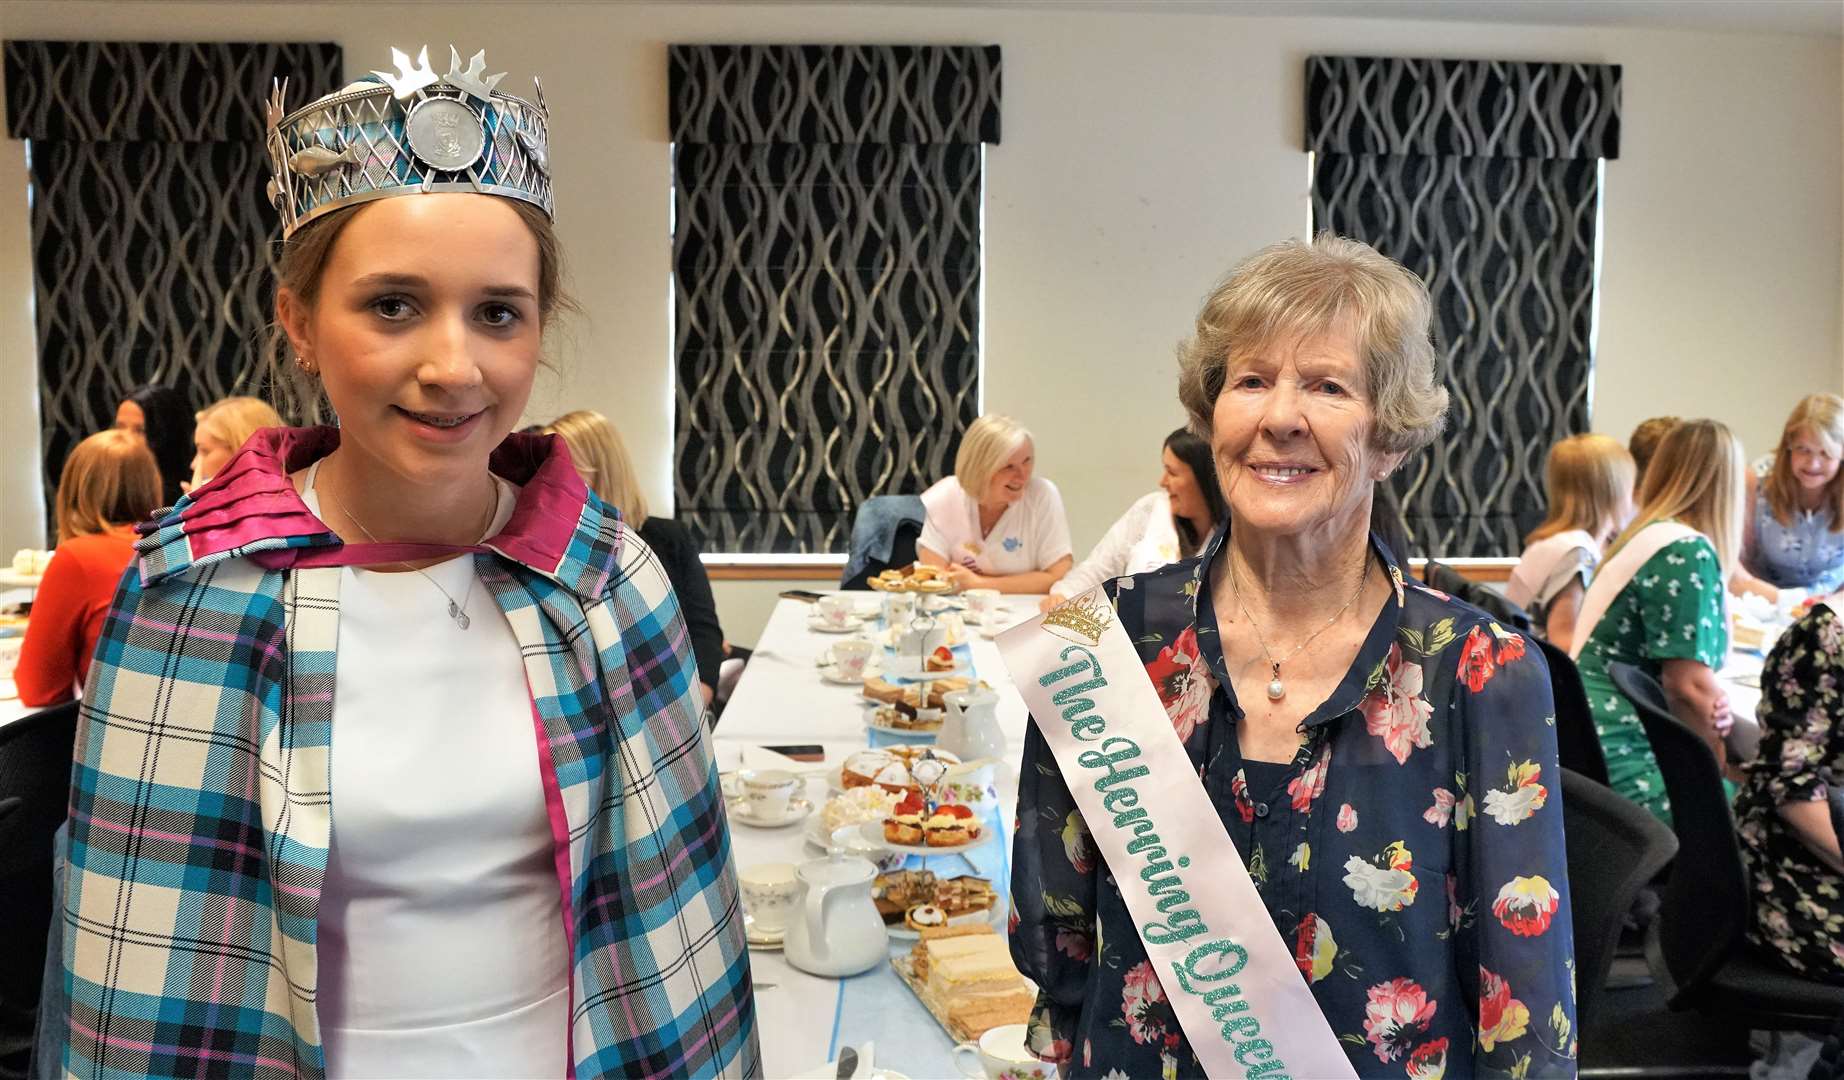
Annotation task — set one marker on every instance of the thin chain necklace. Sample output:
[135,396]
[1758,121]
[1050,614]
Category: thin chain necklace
[456,611]
[1276,688]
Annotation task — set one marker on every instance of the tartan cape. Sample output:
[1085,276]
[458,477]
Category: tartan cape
[200,805]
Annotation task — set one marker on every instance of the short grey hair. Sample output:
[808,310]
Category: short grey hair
[1297,289]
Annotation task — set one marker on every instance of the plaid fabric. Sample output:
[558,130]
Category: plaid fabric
[200,810]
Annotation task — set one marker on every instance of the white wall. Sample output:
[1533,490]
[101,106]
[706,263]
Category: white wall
[1143,153]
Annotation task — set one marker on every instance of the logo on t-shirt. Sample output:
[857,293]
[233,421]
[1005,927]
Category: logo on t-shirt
[1012,543]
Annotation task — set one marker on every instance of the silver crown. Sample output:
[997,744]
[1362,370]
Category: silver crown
[408,132]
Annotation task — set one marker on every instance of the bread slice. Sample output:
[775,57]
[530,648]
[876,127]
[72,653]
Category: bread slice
[974,1016]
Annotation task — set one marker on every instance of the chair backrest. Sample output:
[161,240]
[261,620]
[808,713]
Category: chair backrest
[1486,599]
[35,769]
[1706,905]
[884,534]
[1615,846]
[1576,741]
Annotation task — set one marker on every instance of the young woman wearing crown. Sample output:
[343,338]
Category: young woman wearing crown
[394,760]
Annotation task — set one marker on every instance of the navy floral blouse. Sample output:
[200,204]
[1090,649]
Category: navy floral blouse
[1412,851]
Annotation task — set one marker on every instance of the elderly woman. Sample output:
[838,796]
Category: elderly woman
[994,524]
[1346,724]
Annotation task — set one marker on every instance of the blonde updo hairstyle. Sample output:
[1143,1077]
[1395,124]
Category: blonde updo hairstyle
[109,480]
[1819,417]
[304,257]
[1332,285]
[1590,481]
[602,459]
[983,449]
[233,420]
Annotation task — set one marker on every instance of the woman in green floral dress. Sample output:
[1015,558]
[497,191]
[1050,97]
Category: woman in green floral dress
[1669,618]
[1789,841]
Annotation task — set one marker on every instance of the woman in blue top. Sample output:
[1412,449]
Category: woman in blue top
[1380,754]
[1795,521]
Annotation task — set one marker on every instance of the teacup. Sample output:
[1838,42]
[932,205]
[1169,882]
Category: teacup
[835,611]
[769,892]
[1002,1056]
[982,604]
[849,658]
[899,608]
[768,793]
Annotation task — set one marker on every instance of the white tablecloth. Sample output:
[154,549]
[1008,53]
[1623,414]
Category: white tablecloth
[781,700]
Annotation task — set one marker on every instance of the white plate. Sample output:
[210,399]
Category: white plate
[874,830]
[819,627]
[798,809]
[912,674]
[833,675]
[872,723]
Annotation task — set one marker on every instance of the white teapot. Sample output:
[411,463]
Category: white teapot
[836,929]
[971,728]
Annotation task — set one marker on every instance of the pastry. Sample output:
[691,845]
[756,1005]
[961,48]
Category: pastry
[919,956]
[949,826]
[923,695]
[976,1015]
[924,917]
[888,767]
[904,825]
[942,659]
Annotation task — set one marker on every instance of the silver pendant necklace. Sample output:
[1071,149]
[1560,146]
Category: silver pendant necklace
[456,610]
[1276,688]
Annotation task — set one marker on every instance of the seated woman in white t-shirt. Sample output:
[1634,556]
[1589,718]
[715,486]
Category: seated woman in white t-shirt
[1168,525]
[1590,480]
[992,524]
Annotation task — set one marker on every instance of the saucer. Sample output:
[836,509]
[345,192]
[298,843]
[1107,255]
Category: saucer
[833,675]
[767,940]
[818,626]
[798,809]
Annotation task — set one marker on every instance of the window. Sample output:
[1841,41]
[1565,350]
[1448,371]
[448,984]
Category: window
[826,280]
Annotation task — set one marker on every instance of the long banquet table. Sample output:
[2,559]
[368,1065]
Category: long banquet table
[781,700]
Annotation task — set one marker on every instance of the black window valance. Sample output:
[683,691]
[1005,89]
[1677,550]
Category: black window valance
[156,91]
[1462,108]
[835,94]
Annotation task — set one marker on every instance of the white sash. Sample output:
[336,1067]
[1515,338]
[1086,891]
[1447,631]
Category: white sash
[1232,981]
[1617,571]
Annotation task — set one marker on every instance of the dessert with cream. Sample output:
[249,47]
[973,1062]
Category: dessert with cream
[915,822]
[888,767]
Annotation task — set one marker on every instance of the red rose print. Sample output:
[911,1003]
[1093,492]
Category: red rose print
[1399,1012]
[1183,681]
[1476,664]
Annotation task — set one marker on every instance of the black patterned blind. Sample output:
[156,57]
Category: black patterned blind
[826,260]
[152,238]
[1482,177]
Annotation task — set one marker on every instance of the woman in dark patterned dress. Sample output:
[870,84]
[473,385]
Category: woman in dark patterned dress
[1788,831]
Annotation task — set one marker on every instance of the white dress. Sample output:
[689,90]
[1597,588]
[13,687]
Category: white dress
[1547,567]
[441,936]
[1145,538]
[1031,534]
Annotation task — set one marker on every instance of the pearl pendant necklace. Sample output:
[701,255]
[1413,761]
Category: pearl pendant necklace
[1276,688]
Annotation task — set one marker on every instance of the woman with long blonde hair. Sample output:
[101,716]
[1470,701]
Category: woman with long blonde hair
[1590,500]
[1794,523]
[1658,603]
[602,460]
[109,483]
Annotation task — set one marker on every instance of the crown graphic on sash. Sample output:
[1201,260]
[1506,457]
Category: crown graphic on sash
[1087,616]
[405,133]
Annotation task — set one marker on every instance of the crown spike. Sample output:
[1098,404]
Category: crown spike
[474,80]
[410,77]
